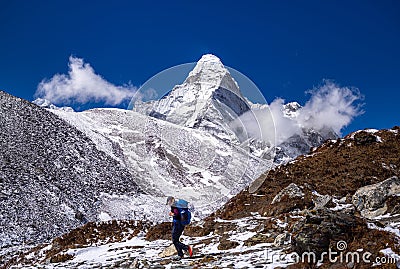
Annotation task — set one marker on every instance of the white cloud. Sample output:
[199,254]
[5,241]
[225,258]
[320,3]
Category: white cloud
[82,85]
[330,107]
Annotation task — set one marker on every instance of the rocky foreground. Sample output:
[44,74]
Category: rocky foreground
[340,202]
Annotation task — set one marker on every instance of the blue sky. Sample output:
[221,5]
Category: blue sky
[284,47]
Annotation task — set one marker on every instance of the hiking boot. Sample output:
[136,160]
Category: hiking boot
[190,251]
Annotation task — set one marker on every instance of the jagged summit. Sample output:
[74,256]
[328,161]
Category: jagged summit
[208,62]
[291,109]
[208,99]
[209,58]
[208,69]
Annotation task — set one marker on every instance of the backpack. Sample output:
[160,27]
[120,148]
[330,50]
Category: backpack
[186,216]
[182,206]
[181,203]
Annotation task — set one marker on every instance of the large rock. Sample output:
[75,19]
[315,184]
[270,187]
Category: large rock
[281,239]
[168,252]
[322,201]
[371,200]
[291,191]
[321,229]
[364,138]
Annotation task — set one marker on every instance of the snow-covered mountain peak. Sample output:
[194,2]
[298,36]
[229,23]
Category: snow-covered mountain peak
[208,61]
[209,68]
[210,58]
[291,109]
[208,99]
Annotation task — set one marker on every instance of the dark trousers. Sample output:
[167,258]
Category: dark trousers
[177,230]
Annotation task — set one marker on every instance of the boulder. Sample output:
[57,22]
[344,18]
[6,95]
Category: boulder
[320,229]
[281,239]
[364,138]
[371,200]
[291,191]
[168,252]
[322,201]
[259,239]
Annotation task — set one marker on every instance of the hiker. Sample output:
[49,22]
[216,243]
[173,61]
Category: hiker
[181,217]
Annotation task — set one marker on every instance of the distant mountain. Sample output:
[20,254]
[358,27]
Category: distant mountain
[301,143]
[60,168]
[210,100]
[52,176]
[47,104]
[184,145]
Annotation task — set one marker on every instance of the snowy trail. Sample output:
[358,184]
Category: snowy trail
[137,252]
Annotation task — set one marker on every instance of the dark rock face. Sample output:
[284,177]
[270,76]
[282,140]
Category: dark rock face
[338,233]
[51,175]
[301,144]
[364,138]
[319,229]
[235,102]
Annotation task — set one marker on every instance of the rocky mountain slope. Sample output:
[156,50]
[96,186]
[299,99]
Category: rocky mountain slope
[337,168]
[346,190]
[52,176]
[343,196]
